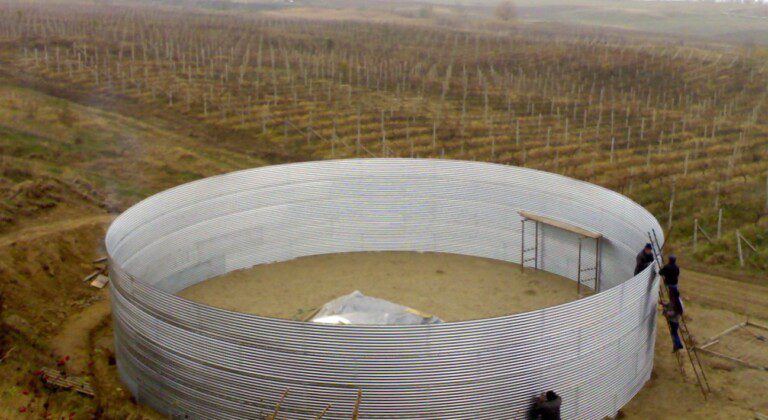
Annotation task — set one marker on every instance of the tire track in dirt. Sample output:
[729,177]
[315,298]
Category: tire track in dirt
[38,232]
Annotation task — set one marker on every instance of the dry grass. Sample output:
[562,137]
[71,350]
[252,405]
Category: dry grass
[64,167]
[649,117]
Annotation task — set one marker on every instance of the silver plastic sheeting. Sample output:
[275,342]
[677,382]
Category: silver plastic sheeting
[359,309]
[188,359]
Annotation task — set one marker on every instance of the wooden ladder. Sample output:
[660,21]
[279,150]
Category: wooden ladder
[683,330]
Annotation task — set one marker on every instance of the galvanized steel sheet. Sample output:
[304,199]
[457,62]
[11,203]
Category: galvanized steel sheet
[188,359]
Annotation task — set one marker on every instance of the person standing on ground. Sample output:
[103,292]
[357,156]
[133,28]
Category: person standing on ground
[644,259]
[670,272]
[673,311]
[547,407]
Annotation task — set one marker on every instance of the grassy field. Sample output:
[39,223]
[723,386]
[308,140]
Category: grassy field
[654,119]
[64,168]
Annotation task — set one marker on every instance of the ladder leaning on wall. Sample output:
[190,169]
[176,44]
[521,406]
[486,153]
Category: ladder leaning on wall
[689,344]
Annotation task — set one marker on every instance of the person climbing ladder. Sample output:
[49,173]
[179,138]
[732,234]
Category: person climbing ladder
[670,272]
[673,311]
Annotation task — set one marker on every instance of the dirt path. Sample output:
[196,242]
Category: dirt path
[37,232]
[73,339]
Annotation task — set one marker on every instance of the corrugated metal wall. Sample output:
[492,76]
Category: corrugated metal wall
[185,358]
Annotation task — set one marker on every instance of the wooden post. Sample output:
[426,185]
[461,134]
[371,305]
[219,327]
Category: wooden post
[766,193]
[578,275]
[356,410]
[522,246]
[325,410]
[695,233]
[536,249]
[357,142]
[738,247]
[719,222]
[613,143]
[597,265]
[671,207]
[408,134]
[279,403]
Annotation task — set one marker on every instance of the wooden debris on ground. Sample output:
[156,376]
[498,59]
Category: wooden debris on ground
[307,317]
[277,407]
[93,275]
[7,353]
[100,281]
[356,410]
[705,348]
[322,413]
[98,278]
[52,378]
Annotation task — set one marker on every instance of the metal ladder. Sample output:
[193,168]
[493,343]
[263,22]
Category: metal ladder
[688,343]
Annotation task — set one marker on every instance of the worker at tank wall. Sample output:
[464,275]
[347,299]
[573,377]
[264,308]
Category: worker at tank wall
[670,272]
[546,407]
[644,258]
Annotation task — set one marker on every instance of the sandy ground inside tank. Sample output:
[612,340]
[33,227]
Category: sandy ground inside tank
[452,287]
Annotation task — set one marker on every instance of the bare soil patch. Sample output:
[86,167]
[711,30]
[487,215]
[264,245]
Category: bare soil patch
[452,287]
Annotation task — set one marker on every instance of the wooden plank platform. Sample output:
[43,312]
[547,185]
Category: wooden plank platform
[54,378]
[560,224]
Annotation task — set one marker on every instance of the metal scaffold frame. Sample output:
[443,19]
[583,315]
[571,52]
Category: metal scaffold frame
[582,234]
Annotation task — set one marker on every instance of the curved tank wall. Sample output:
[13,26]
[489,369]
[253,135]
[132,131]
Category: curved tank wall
[187,359]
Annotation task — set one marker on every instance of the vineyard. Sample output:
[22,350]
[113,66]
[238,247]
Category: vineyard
[682,128]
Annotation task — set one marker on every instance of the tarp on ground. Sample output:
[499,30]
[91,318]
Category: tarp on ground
[359,309]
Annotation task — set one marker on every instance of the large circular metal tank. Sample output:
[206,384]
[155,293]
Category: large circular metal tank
[187,359]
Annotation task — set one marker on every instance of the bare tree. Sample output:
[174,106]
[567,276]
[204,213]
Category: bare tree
[505,11]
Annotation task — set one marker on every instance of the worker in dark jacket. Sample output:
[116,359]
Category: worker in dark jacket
[644,259]
[673,311]
[670,272]
[547,407]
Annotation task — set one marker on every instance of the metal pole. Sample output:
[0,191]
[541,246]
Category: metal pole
[522,247]
[536,249]
[578,276]
[597,265]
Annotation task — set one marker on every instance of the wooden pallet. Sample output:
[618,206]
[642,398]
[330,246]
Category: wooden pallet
[54,378]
